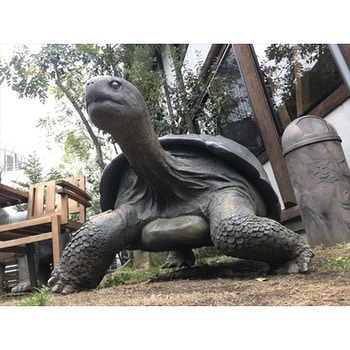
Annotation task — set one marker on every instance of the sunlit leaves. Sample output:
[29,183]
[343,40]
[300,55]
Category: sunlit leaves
[75,144]
[24,76]
[32,74]
[284,62]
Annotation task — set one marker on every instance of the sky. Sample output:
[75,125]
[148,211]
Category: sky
[18,123]
[18,120]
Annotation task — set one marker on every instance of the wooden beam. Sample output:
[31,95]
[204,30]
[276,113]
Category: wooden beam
[265,122]
[345,50]
[333,101]
[26,240]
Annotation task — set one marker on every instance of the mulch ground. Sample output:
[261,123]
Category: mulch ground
[230,283]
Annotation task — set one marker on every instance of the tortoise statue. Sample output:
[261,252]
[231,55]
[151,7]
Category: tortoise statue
[173,194]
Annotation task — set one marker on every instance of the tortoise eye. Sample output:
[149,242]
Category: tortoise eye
[115,85]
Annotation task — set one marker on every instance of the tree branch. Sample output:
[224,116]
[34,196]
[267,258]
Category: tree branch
[99,155]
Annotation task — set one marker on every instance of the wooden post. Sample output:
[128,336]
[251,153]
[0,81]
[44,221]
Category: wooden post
[56,238]
[265,122]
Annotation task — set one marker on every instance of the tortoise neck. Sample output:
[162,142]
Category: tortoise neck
[166,178]
[146,156]
[151,162]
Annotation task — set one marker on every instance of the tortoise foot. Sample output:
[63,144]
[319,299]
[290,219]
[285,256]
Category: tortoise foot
[179,258]
[86,258]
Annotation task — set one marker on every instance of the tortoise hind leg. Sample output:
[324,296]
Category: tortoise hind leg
[179,258]
[237,231]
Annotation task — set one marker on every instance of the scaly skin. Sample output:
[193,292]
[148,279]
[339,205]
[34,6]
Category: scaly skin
[92,249]
[237,231]
[234,229]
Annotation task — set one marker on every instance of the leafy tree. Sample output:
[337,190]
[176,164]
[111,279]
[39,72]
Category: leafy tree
[33,172]
[285,62]
[196,106]
[61,70]
[187,104]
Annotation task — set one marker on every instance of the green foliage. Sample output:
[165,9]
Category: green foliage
[158,259]
[172,105]
[33,171]
[75,146]
[24,76]
[333,264]
[307,52]
[37,298]
[73,65]
[131,274]
[140,68]
[198,102]
[339,263]
[282,60]
[128,274]
[204,261]
[61,70]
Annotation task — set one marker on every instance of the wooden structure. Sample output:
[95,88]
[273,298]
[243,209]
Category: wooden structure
[10,196]
[54,207]
[261,102]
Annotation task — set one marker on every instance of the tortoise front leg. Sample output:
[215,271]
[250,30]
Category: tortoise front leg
[91,251]
[237,231]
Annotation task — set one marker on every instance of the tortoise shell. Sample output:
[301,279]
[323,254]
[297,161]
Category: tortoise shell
[230,152]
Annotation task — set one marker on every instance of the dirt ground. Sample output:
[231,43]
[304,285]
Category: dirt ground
[230,283]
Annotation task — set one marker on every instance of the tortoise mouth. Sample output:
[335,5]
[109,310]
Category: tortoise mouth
[103,113]
[101,110]
[101,100]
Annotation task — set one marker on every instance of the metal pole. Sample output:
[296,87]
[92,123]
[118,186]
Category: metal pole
[341,64]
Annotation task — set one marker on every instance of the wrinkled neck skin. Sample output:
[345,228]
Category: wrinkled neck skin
[150,162]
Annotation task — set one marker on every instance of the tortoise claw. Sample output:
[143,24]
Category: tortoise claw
[304,260]
[58,286]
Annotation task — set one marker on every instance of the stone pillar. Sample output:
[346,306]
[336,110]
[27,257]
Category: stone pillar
[320,177]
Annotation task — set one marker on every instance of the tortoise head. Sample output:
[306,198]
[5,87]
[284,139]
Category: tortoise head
[115,106]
